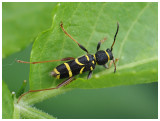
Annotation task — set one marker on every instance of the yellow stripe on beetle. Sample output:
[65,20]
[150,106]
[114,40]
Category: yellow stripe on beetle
[93,62]
[69,69]
[87,57]
[91,68]
[57,72]
[81,71]
[107,55]
[95,58]
[76,60]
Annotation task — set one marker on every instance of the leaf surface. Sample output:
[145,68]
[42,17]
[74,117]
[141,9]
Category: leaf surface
[22,22]
[7,102]
[136,45]
[28,112]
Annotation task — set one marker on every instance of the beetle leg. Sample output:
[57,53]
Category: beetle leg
[110,64]
[106,66]
[64,83]
[58,86]
[69,82]
[99,43]
[114,61]
[89,75]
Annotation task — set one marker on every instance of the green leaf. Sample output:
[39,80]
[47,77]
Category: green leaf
[22,22]
[29,112]
[32,98]
[10,108]
[7,102]
[16,113]
[136,45]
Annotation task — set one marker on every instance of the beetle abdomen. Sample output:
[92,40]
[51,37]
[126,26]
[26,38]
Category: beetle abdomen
[74,67]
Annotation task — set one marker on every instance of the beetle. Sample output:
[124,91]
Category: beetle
[75,66]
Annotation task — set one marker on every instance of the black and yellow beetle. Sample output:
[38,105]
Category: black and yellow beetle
[75,66]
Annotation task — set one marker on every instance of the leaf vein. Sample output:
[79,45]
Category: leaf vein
[94,27]
[130,65]
[130,29]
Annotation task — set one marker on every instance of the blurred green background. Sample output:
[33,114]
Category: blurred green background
[136,101]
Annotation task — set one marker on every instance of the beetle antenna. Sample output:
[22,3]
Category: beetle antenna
[115,36]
